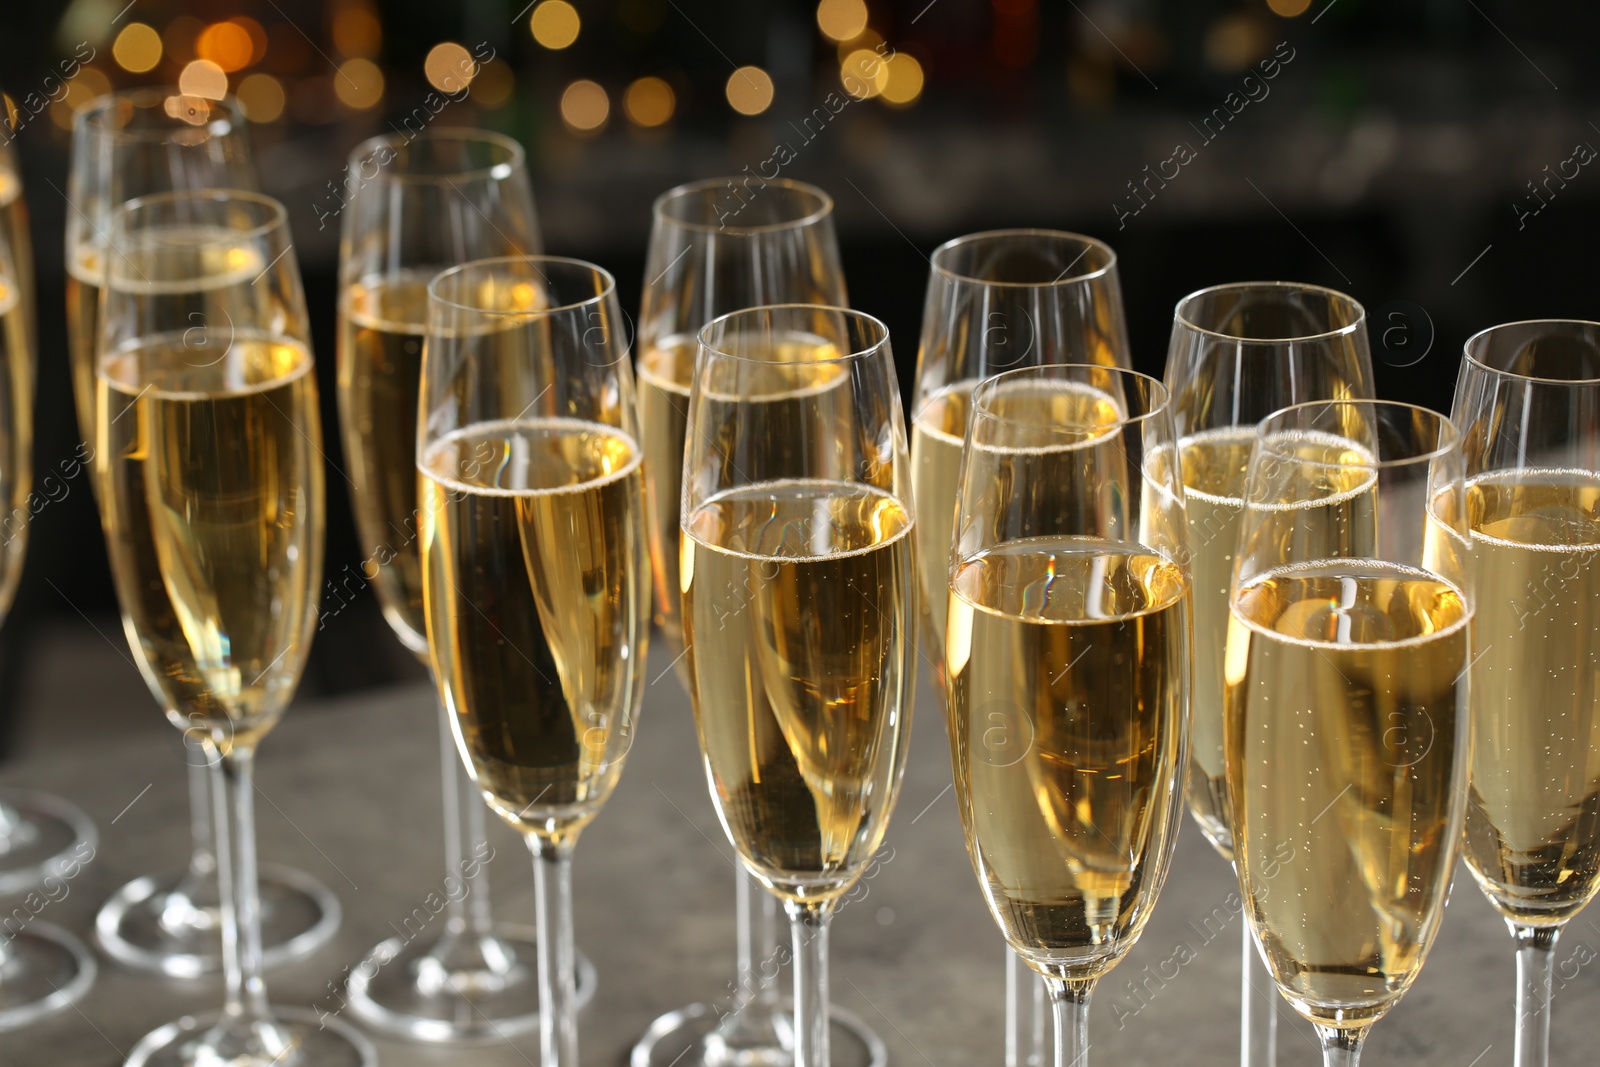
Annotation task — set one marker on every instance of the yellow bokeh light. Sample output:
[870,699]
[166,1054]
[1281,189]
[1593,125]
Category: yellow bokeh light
[359,83]
[262,96]
[137,48]
[649,102]
[449,67]
[357,32]
[842,20]
[864,73]
[555,24]
[1288,8]
[202,77]
[905,80]
[494,84]
[227,44]
[90,84]
[585,106]
[749,90]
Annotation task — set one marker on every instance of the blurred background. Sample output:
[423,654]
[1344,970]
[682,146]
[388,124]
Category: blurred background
[1430,157]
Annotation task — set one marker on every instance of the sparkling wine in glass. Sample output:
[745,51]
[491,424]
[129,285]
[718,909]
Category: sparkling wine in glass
[1345,716]
[211,481]
[1240,352]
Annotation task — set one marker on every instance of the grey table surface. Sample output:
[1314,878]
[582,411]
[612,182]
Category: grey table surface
[350,794]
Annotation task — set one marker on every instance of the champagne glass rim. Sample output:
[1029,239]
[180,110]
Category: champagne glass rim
[1449,434]
[1357,322]
[1480,340]
[606,291]
[956,244]
[516,157]
[878,333]
[276,214]
[1160,398]
[95,112]
[822,208]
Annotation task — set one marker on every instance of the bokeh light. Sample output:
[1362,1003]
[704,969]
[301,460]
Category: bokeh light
[864,73]
[262,96]
[494,84]
[449,67]
[749,90]
[202,77]
[585,106]
[359,83]
[1288,8]
[357,32]
[227,44]
[649,102]
[905,80]
[555,24]
[842,20]
[137,48]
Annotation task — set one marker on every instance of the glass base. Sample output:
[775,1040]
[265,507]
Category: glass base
[152,924]
[689,1038]
[295,1038]
[43,969]
[455,988]
[39,836]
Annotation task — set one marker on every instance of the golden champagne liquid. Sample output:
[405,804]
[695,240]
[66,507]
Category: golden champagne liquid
[212,475]
[800,611]
[1214,466]
[1067,663]
[85,278]
[665,372]
[16,439]
[1347,739]
[537,605]
[1533,809]
[937,433]
[382,324]
[15,236]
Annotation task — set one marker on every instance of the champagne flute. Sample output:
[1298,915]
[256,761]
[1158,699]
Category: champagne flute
[719,246]
[211,490]
[999,300]
[125,145]
[1345,717]
[1240,352]
[796,507]
[42,839]
[1067,644]
[417,204]
[536,567]
[1528,404]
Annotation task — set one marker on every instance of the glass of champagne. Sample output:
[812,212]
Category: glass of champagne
[1240,352]
[996,301]
[536,563]
[1528,404]
[1345,716]
[797,508]
[210,476]
[125,145]
[42,839]
[1067,650]
[719,246]
[419,203]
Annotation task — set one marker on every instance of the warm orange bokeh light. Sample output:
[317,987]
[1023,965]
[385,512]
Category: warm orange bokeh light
[450,68]
[585,106]
[263,97]
[137,48]
[357,32]
[749,90]
[359,83]
[649,102]
[227,44]
[204,78]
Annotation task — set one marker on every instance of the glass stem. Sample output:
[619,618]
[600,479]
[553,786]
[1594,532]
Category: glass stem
[1016,975]
[465,829]
[233,798]
[1536,960]
[1341,1046]
[808,924]
[1069,1002]
[202,859]
[1038,1050]
[558,999]
[1258,1021]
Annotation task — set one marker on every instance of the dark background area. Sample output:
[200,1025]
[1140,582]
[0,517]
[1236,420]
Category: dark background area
[1394,155]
